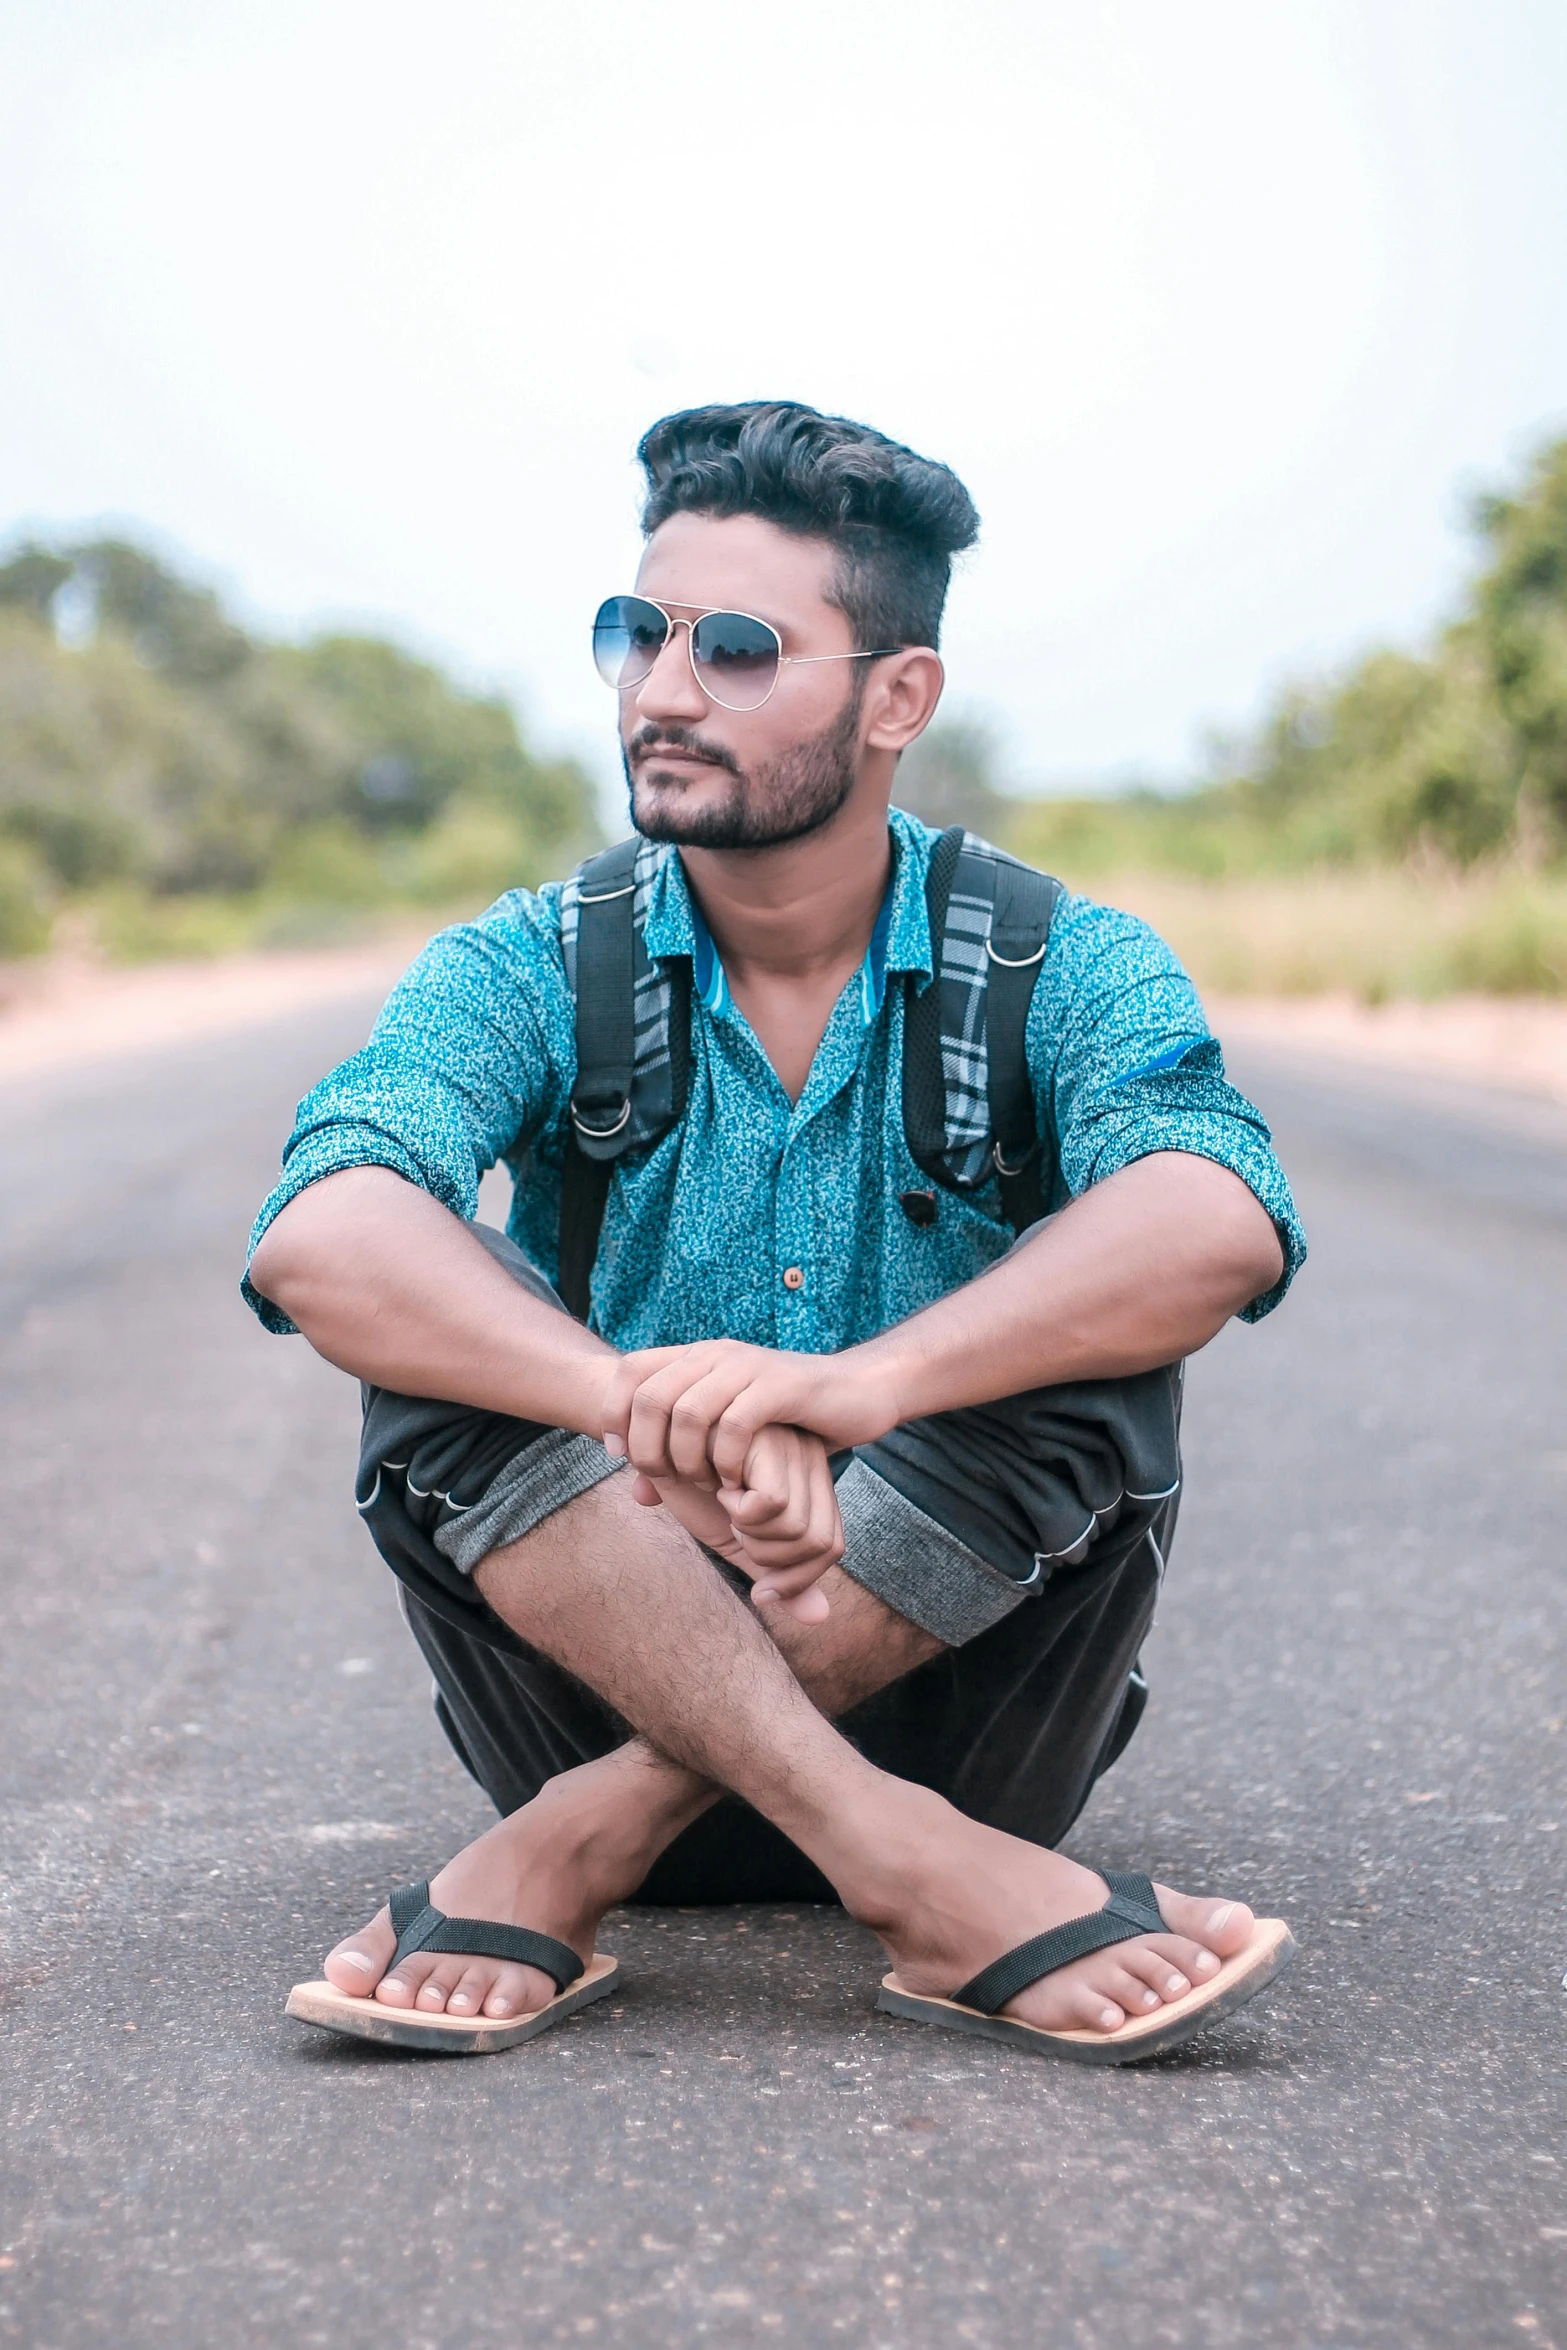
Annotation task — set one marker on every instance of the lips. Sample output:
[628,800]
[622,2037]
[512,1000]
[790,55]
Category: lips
[672,758]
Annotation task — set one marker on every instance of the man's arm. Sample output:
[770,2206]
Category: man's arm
[390,1285]
[1142,1269]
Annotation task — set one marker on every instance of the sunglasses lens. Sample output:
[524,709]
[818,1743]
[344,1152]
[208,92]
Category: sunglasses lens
[736,659]
[628,636]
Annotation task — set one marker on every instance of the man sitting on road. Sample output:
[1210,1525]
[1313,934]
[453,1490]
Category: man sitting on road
[815,1561]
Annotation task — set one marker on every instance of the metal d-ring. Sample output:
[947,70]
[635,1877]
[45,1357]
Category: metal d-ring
[999,1163]
[1016,962]
[602,1133]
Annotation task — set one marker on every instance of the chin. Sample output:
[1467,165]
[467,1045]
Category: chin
[667,808]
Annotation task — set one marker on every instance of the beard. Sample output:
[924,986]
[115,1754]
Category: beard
[790,797]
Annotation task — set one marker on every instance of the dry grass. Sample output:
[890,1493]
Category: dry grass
[1379,936]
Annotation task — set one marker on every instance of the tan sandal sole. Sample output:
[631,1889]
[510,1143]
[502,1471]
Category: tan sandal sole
[1267,1954]
[445,2035]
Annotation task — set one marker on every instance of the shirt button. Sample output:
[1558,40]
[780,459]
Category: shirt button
[793,1277]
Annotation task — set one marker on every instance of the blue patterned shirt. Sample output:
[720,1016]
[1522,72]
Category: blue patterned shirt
[473,1060]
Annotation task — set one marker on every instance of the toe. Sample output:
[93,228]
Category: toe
[1156,1971]
[1096,2012]
[518,1990]
[1224,1927]
[1128,1988]
[441,1981]
[473,1987]
[357,1965]
[401,1988]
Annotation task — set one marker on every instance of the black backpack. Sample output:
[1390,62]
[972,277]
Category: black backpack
[968,1108]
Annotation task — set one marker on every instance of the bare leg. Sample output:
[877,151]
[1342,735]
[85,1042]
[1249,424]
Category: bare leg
[625,1600]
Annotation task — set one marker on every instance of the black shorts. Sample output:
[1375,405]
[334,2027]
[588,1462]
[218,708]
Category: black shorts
[1028,1535]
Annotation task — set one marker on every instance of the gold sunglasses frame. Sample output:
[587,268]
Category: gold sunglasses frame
[709,612]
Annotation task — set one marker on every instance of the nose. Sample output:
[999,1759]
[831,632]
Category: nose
[670,689]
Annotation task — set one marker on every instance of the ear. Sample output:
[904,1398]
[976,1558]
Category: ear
[901,700]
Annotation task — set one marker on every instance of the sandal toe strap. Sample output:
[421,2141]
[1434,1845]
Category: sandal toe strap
[1132,1910]
[418,1925]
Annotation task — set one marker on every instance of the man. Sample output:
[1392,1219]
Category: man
[766,1583]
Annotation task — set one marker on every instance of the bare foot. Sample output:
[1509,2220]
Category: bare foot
[966,1893]
[585,1842]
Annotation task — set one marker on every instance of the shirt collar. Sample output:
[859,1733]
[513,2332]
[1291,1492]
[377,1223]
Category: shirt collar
[899,942]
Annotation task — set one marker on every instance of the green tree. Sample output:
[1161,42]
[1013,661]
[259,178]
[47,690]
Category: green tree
[1521,628]
[147,741]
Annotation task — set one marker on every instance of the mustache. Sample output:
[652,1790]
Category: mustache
[649,739]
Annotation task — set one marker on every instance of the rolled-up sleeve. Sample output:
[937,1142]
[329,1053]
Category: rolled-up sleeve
[1124,1064]
[472,1054]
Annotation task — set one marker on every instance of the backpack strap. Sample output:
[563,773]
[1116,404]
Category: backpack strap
[1019,934]
[968,1103]
[608,962]
[924,1074]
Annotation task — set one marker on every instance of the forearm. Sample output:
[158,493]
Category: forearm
[389,1285]
[1142,1269]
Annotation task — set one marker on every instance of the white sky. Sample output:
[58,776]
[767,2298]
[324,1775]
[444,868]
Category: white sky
[1219,309]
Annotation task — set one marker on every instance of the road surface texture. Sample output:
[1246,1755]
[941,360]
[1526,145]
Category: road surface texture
[218,1753]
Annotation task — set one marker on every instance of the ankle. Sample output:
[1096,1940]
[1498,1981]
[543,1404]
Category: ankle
[611,1819]
[881,1849]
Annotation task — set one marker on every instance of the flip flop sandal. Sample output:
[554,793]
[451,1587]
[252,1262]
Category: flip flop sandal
[420,1927]
[1132,1909]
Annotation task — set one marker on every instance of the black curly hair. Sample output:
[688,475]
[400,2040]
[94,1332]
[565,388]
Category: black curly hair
[895,519]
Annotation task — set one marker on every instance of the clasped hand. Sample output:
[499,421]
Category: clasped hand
[734,1441]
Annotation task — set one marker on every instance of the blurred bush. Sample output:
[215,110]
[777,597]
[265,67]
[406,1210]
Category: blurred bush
[1399,830]
[1455,756]
[179,785]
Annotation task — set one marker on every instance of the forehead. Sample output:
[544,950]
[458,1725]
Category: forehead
[740,561]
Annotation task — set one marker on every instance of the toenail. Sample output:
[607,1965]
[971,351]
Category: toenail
[1221,1918]
[356,1958]
[1150,1999]
[1206,1962]
[1109,2017]
[394,1983]
[459,1999]
[500,2006]
[1175,1986]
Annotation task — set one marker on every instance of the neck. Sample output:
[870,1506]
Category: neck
[793,911]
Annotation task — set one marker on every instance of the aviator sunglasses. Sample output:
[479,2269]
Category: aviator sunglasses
[735,658]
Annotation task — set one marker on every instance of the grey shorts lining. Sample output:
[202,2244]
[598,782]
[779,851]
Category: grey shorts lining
[915,1566]
[909,1561]
[542,1478]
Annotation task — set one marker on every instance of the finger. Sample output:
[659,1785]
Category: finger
[808,1518]
[810,1606]
[625,1379]
[784,1554]
[789,1581]
[739,1427]
[646,1492]
[780,1517]
[825,1525]
[647,1422]
[694,1414]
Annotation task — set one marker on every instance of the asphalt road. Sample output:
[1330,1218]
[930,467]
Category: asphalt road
[218,1752]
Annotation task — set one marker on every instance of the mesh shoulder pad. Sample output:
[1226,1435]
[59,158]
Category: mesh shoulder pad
[965,1077]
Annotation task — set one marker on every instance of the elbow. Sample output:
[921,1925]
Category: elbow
[277,1269]
[301,1243]
[1254,1251]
